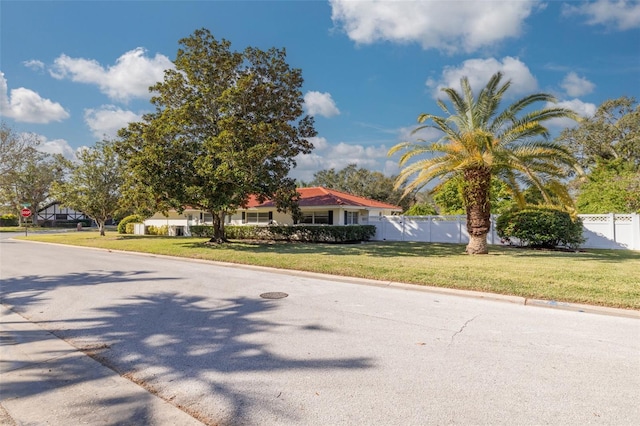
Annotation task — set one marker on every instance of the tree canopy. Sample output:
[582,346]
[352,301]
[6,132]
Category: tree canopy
[93,183]
[227,125]
[26,173]
[480,142]
[362,182]
[608,147]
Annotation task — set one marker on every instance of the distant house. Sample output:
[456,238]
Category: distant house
[54,212]
[319,206]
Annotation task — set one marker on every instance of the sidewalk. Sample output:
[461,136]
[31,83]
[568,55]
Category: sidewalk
[44,380]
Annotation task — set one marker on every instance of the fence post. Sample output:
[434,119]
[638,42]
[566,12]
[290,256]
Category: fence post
[612,227]
[635,231]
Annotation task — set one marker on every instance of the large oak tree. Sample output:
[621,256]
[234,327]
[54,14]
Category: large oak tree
[227,125]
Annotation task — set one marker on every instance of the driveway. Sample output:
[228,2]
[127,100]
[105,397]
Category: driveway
[200,336]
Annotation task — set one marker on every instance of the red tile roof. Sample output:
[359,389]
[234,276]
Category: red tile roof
[320,197]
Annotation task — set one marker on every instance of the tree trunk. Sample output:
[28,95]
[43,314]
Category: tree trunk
[101,227]
[475,192]
[218,228]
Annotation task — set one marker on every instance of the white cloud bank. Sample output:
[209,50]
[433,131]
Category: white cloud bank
[57,146]
[338,156]
[619,14]
[444,25]
[129,78]
[479,71]
[575,85]
[105,121]
[27,106]
[317,103]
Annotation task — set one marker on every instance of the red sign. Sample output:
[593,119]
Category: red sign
[25,212]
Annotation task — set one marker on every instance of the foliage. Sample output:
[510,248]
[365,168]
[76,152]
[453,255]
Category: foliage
[129,228]
[364,183]
[227,125]
[311,234]
[611,134]
[9,219]
[608,145]
[540,227]
[93,183]
[157,230]
[421,209]
[480,143]
[611,187]
[26,173]
[122,225]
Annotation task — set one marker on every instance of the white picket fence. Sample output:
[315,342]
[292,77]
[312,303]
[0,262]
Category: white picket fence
[609,231]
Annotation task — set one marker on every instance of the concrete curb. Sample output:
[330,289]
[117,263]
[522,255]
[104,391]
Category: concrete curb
[518,300]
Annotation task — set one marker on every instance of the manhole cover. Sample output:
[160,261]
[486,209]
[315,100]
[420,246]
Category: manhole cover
[274,295]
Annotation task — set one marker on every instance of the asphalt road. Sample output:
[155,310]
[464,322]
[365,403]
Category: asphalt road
[331,353]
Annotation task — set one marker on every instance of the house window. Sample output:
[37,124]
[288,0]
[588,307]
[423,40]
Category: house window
[350,218]
[316,218]
[258,217]
[61,216]
[208,218]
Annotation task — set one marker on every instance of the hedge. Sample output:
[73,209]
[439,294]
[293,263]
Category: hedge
[302,233]
[9,219]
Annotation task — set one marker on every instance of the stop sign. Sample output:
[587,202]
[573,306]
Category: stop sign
[25,212]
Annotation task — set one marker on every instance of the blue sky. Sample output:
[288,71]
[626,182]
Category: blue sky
[73,72]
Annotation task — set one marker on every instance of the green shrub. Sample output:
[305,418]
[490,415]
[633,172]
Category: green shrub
[122,226]
[9,219]
[130,228]
[311,234]
[157,230]
[540,227]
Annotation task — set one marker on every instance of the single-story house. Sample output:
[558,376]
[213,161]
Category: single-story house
[319,206]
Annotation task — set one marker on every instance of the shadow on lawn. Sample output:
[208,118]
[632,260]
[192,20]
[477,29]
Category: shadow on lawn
[187,349]
[389,249]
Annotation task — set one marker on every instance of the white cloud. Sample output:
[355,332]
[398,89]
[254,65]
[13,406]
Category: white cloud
[479,71]
[57,146]
[583,109]
[105,121]
[322,104]
[34,65]
[575,85]
[445,25]
[27,106]
[327,155]
[129,78]
[620,14]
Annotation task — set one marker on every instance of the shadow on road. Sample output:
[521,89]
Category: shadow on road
[186,349]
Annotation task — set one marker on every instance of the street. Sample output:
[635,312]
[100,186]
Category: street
[199,336]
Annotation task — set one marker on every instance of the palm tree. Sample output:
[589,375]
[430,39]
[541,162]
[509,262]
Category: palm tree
[480,142]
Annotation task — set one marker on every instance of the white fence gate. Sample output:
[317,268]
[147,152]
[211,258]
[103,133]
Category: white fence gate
[610,231]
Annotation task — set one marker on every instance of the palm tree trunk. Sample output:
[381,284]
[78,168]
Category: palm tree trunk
[475,192]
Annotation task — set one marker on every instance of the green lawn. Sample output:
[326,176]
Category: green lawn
[597,277]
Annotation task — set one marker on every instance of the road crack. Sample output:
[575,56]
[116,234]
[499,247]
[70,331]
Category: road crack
[461,329]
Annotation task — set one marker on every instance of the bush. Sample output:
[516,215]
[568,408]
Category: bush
[157,230]
[9,219]
[540,227]
[310,234]
[122,226]
[129,228]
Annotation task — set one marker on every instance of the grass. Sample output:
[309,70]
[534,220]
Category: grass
[597,277]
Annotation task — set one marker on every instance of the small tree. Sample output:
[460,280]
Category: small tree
[26,173]
[93,183]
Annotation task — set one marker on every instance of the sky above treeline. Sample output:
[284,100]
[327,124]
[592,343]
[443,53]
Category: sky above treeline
[74,72]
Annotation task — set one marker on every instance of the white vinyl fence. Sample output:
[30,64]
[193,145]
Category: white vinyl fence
[609,231]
